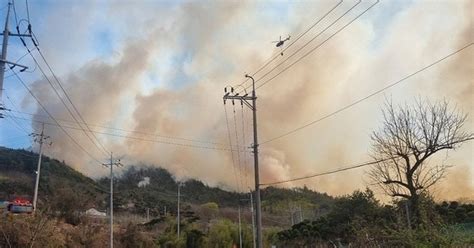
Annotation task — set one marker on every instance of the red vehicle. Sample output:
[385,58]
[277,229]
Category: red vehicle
[20,205]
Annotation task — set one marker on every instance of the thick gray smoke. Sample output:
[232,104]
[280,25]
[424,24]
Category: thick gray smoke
[169,81]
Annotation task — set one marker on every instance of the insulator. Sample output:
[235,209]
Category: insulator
[225,90]
[232,89]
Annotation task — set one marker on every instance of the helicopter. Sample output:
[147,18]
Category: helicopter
[281,42]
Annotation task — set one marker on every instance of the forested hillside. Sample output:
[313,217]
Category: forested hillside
[145,204]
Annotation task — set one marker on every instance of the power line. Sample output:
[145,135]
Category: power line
[138,138]
[245,155]
[49,114]
[368,96]
[315,48]
[130,131]
[98,144]
[239,162]
[355,166]
[326,173]
[230,144]
[22,128]
[68,98]
[294,41]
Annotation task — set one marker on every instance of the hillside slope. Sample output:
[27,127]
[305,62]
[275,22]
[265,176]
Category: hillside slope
[62,187]
[17,177]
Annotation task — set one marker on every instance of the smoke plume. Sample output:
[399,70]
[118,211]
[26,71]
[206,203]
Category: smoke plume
[169,81]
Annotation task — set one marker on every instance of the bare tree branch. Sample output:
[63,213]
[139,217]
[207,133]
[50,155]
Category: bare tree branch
[409,136]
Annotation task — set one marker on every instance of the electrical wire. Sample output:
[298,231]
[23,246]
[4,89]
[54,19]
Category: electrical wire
[97,142]
[325,173]
[294,41]
[137,138]
[355,166]
[52,117]
[245,155]
[131,131]
[239,162]
[230,144]
[14,107]
[313,49]
[368,96]
[308,42]
[44,74]
[69,99]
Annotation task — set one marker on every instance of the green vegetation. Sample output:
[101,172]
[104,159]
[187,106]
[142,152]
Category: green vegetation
[209,215]
[361,221]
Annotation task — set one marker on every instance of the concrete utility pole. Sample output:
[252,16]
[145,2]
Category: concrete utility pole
[251,102]
[178,215]
[407,210]
[3,60]
[40,138]
[292,214]
[253,220]
[240,230]
[301,214]
[111,164]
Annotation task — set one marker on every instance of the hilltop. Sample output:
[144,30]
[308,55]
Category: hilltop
[145,203]
[18,173]
[60,182]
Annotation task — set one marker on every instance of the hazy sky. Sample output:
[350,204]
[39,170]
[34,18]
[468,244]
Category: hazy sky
[159,67]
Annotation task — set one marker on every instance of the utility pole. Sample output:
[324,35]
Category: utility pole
[253,220]
[3,60]
[407,210]
[178,216]
[301,214]
[251,102]
[240,230]
[40,138]
[292,213]
[111,164]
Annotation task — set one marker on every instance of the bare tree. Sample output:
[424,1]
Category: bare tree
[410,135]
